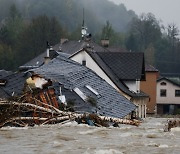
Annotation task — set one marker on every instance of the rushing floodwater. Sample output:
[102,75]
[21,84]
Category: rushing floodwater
[74,138]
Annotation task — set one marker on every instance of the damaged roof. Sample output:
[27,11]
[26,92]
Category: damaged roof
[4,73]
[82,80]
[38,61]
[3,94]
[14,85]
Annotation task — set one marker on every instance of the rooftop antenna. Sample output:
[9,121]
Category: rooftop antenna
[83,28]
[83,18]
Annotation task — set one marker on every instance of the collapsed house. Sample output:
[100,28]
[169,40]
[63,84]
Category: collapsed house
[84,88]
[61,85]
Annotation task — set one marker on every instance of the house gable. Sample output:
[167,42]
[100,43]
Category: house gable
[83,55]
[166,92]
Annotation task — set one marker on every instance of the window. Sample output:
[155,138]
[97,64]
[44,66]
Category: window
[84,63]
[163,92]
[163,83]
[177,93]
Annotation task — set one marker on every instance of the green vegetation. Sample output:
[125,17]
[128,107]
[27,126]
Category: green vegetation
[26,25]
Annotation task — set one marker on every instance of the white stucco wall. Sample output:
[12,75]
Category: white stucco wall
[133,85]
[93,66]
[170,93]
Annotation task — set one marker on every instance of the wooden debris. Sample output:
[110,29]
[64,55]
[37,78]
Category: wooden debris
[27,114]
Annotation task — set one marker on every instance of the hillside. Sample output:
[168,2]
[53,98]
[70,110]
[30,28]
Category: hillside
[69,12]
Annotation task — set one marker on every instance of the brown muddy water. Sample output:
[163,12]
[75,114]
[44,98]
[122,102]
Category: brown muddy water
[72,138]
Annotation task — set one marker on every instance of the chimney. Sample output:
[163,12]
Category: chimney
[63,40]
[138,86]
[47,58]
[105,43]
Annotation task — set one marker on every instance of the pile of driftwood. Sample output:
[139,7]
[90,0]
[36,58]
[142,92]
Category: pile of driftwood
[20,114]
[171,124]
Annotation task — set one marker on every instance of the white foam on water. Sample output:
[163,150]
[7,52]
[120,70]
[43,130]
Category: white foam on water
[69,124]
[175,129]
[12,128]
[57,144]
[127,134]
[108,151]
[163,146]
[92,131]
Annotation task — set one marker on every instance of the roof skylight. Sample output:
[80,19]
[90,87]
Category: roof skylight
[92,90]
[80,93]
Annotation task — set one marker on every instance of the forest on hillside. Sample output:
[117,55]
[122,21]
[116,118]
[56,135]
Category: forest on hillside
[26,26]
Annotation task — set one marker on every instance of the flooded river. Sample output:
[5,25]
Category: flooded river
[72,138]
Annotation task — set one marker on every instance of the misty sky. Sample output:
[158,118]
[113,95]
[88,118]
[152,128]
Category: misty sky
[166,10]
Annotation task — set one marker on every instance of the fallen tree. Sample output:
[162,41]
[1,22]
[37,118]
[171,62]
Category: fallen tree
[27,114]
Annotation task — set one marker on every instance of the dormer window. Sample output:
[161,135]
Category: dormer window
[163,83]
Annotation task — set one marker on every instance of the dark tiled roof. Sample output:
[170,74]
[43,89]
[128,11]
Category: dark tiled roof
[72,75]
[116,49]
[39,60]
[15,84]
[3,94]
[125,65]
[114,64]
[150,68]
[173,80]
[72,47]
[4,73]
[109,72]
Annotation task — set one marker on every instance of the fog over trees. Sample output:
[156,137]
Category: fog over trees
[26,25]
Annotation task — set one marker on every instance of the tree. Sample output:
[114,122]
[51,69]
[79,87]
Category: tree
[12,28]
[173,32]
[107,31]
[131,43]
[33,39]
[150,55]
[146,30]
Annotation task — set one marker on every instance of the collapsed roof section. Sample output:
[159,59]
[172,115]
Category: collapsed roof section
[86,84]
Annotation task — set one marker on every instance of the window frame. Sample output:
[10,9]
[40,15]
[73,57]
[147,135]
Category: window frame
[177,94]
[161,92]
